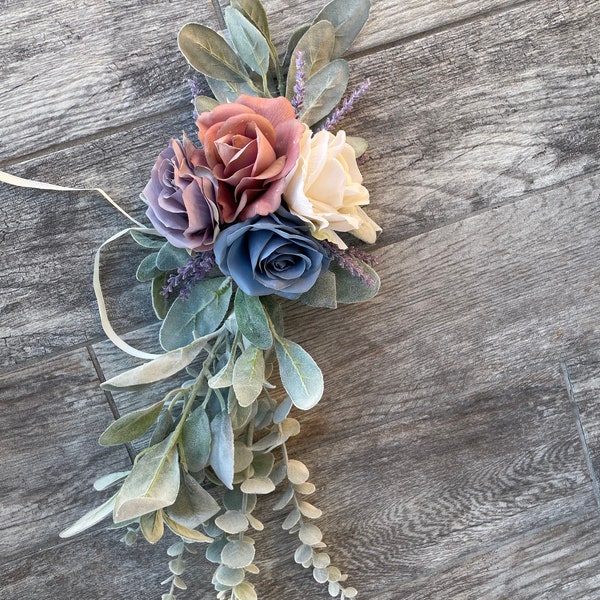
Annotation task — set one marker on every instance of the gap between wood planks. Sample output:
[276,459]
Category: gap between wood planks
[219,16]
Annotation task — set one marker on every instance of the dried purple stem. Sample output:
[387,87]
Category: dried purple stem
[299,85]
[196,269]
[350,260]
[347,105]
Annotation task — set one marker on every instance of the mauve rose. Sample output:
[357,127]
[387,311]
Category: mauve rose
[274,254]
[182,197]
[250,145]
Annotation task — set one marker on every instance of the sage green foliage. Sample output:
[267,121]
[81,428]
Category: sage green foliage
[218,438]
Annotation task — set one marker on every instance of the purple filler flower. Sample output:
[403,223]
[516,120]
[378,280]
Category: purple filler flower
[181,197]
[271,255]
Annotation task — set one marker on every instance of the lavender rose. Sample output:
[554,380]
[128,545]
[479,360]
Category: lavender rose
[274,254]
[182,197]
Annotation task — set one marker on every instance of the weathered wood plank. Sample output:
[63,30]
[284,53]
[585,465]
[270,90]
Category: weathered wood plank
[477,301]
[75,69]
[582,374]
[53,412]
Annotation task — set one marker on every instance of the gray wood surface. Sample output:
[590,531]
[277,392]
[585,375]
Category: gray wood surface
[456,452]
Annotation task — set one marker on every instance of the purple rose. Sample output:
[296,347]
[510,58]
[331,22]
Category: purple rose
[181,197]
[271,255]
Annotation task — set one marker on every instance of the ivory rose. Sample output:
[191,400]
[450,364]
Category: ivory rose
[250,145]
[324,189]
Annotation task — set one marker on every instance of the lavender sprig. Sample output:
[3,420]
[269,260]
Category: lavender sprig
[300,83]
[350,260]
[196,269]
[347,106]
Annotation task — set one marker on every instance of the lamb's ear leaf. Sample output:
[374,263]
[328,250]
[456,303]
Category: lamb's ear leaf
[209,53]
[249,42]
[348,17]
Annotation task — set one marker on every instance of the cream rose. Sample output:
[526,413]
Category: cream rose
[324,189]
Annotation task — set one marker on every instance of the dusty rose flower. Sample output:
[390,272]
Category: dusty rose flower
[250,145]
[182,197]
[325,189]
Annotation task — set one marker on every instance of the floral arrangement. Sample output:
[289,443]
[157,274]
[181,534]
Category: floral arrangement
[259,210]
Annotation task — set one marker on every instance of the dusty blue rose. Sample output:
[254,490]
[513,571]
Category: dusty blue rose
[271,255]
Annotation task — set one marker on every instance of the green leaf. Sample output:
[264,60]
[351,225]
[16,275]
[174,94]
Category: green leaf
[170,258]
[348,18]
[317,45]
[222,452]
[228,91]
[189,535]
[205,104]
[252,320]
[90,518]
[237,554]
[198,315]
[249,42]
[152,484]
[359,144]
[322,293]
[196,440]
[249,375]
[350,288]
[292,43]
[160,304]
[232,522]
[146,239]
[300,375]
[147,269]
[131,426]
[194,505]
[209,53]
[152,526]
[160,368]
[255,12]
[324,90]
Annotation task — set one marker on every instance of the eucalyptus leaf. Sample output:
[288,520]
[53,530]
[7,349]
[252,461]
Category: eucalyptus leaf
[358,144]
[282,411]
[255,523]
[324,90]
[213,551]
[249,375]
[194,505]
[229,577]
[196,440]
[303,553]
[316,45]
[106,481]
[297,472]
[245,591]
[198,315]
[131,426]
[91,518]
[292,519]
[285,499]
[160,304]
[243,457]
[147,269]
[152,484]
[348,18]
[263,464]
[251,45]
[252,320]
[309,510]
[237,554]
[147,239]
[322,294]
[320,575]
[209,53]
[189,535]
[170,258]
[310,534]
[258,485]
[205,104]
[234,500]
[157,369]
[228,91]
[232,522]
[152,526]
[300,375]
[350,288]
[222,451]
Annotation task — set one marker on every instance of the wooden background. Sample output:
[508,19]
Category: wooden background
[456,449]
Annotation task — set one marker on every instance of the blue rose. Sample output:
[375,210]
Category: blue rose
[271,255]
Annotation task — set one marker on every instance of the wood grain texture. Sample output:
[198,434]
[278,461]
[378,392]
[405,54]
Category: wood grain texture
[75,69]
[49,456]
